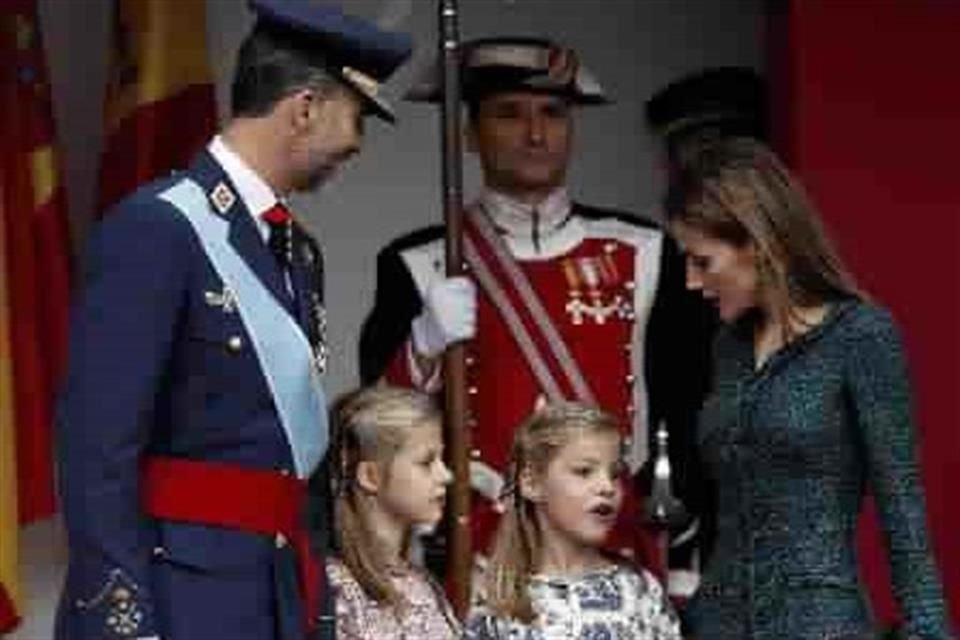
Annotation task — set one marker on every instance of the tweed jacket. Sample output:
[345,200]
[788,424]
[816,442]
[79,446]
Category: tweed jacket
[794,445]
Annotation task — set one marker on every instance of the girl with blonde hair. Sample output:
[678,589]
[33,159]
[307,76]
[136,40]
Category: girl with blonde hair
[810,408]
[548,576]
[391,480]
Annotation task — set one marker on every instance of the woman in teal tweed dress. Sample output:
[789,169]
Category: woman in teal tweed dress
[810,409]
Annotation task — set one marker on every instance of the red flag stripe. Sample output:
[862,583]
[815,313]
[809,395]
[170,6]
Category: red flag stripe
[142,147]
[37,253]
[160,106]
[9,620]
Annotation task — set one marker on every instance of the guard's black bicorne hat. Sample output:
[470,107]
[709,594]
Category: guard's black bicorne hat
[502,64]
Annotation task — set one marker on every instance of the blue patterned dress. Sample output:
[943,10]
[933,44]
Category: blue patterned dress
[613,603]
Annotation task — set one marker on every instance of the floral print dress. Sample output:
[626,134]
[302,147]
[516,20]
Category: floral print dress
[427,615]
[613,603]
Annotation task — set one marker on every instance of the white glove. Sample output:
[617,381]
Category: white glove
[449,315]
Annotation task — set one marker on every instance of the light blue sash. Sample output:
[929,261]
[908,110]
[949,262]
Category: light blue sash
[283,350]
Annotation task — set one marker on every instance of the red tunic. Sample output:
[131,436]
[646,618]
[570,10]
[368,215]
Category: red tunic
[613,287]
[589,292]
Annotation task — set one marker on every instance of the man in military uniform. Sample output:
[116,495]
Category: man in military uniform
[562,301]
[192,414]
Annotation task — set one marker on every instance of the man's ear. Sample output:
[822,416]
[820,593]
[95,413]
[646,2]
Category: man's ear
[530,486]
[301,106]
[369,477]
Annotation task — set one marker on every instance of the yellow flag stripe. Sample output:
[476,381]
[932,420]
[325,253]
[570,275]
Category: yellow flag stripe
[163,50]
[44,175]
[9,524]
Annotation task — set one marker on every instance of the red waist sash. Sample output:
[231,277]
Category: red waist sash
[225,495]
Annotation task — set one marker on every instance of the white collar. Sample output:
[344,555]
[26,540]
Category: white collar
[551,232]
[255,193]
[516,218]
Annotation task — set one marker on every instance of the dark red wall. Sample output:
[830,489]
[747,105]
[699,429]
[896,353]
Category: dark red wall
[867,110]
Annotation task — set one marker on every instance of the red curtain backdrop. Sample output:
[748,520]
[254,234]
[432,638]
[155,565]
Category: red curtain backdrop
[867,110]
[159,108]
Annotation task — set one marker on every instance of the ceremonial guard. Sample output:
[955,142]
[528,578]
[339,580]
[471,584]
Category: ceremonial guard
[193,415]
[561,301]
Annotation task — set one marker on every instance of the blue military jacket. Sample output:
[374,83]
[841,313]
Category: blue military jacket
[161,364]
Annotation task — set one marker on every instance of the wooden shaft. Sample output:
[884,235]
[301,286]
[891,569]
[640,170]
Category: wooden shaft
[459,551]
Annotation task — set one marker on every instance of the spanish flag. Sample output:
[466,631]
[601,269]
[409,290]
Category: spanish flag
[8,459]
[34,288]
[159,107]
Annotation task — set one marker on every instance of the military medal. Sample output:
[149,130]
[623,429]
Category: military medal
[227,300]
[597,275]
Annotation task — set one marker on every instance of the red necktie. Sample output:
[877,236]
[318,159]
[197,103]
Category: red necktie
[280,239]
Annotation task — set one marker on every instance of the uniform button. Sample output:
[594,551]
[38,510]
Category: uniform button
[285,473]
[472,391]
[630,378]
[470,360]
[628,347]
[235,344]
[475,454]
[628,442]
[280,541]
[159,552]
[629,285]
[610,247]
[631,409]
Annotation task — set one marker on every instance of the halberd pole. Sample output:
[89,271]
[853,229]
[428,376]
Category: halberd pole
[459,552]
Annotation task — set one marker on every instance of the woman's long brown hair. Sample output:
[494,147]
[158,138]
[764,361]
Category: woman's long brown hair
[736,190]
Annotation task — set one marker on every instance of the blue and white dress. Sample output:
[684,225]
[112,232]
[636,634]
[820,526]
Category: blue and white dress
[612,603]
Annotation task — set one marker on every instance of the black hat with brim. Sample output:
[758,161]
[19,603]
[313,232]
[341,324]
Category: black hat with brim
[504,64]
[715,97]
